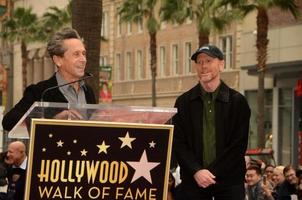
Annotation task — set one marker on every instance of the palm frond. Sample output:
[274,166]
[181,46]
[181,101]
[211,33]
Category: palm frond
[22,26]
[288,5]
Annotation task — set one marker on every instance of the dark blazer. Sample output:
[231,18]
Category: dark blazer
[232,115]
[285,190]
[16,183]
[33,93]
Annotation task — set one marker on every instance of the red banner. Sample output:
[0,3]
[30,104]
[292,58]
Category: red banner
[298,89]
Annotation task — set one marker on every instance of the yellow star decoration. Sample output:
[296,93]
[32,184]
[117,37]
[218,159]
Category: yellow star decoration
[84,152]
[103,147]
[60,143]
[127,140]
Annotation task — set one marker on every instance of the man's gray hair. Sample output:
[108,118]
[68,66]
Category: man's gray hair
[55,45]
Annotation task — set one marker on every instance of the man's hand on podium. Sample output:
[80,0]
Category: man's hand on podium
[69,114]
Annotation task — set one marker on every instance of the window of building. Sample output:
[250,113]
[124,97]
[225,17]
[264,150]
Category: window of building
[226,45]
[148,63]
[162,62]
[139,65]
[163,25]
[118,67]
[129,28]
[129,74]
[175,60]
[103,60]
[140,25]
[188,62]
[251,97]
[119,26]
[285,125]
[104,31]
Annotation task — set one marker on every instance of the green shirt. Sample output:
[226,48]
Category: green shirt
[209,135]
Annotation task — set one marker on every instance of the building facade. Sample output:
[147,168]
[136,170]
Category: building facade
[125,52]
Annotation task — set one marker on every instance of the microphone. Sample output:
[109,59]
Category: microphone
[86,76]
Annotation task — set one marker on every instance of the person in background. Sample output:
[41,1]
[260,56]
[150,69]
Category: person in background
[16,155]
[277,178]
[255,184]
[105,93]
[4,165]
[288,189]
[211,133]
[69,55]
[268,171]
[171,187]
[299,187]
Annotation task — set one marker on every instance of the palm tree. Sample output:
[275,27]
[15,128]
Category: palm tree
[209,15]
[262,6]
[21,28]
[135,11]
[54,19]
[86,19]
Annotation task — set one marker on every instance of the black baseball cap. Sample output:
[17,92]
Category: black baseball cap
[210,50]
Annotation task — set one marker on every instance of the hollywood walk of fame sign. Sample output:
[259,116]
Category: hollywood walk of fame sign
[98,160]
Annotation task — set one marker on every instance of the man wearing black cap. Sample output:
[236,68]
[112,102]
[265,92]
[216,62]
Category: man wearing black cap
[211,133]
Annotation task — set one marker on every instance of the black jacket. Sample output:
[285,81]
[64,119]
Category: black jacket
[286,190]
[16,187]
[33,93]
[232,115]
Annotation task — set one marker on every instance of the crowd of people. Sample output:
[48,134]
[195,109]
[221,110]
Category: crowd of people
[261,183]
[273,182]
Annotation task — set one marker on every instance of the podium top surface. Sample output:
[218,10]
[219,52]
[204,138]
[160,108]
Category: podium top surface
[92,112]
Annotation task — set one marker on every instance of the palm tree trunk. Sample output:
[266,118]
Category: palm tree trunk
[153,65]
[203,38]
[24,55]
[261,44]
[86,19]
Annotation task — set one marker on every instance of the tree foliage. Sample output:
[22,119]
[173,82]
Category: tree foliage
[54,19]
[22,27]
[262,41]
[134,11]
[210,15]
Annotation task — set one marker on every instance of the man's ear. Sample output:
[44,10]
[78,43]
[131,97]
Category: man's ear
[57,60]
[221,65]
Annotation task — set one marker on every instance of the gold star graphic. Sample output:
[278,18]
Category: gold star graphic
[75,141]
[44,150]
[152,144]
[60,143]
[127,140]
[84,152]
[68,153]
[103,147]
[50,135]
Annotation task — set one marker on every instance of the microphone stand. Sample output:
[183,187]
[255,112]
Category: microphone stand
[88,75]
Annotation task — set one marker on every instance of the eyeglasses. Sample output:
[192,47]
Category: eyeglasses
[290,175]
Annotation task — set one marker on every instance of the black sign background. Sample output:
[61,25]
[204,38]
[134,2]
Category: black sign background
[66,140]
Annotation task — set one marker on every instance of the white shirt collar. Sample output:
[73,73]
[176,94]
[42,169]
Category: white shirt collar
[23,165]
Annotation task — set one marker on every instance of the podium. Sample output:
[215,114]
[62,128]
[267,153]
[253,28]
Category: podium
[112,152]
